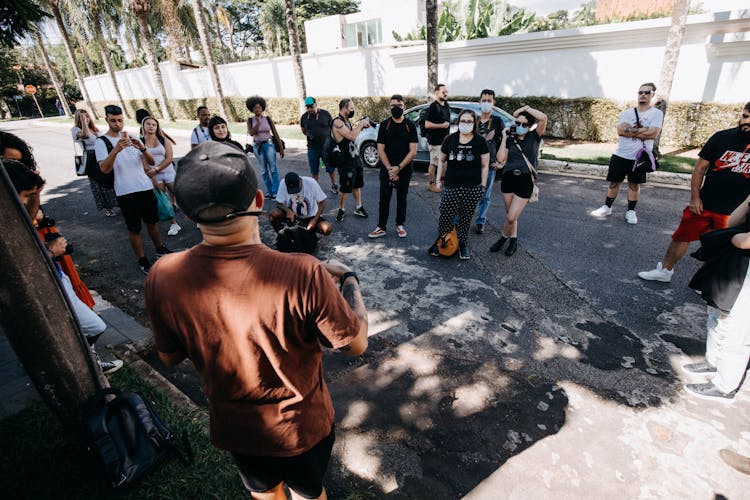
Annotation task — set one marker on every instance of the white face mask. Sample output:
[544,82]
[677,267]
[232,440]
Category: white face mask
[486,107]
[465,128]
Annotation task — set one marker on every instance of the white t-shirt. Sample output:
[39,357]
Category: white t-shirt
[199,135]
[305,203]
[627,147]
[129,174]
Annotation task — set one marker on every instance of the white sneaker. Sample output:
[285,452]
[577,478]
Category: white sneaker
[630,217]
[602,211]
[174,229]
[658,274]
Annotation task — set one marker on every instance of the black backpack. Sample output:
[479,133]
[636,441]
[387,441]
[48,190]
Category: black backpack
[297,239]
[332,154]
[128,437]
[104,180]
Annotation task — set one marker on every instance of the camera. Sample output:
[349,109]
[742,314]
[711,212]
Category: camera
[367,119]
[512,131]
[49,237]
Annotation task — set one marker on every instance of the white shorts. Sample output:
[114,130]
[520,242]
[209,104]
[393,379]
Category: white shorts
[167,175]
[435,153]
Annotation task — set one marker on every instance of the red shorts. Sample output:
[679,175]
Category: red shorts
[692,226]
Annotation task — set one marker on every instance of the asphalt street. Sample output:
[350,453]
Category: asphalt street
[555,370]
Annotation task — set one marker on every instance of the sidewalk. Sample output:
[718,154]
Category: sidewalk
[17,390]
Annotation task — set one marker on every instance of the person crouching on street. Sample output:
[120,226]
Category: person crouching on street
[300,199]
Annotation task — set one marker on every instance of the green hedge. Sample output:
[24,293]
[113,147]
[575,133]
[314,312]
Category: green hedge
[587,119]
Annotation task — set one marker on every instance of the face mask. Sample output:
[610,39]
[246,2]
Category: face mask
[397,112]
[486,107]
[350,114]
[465,128]
[521,130]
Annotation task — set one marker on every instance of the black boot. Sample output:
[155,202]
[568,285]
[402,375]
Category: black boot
[498,244]
[512,247]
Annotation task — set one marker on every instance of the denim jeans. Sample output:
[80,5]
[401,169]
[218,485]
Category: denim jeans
[313,159]
[484,203]
[266,156]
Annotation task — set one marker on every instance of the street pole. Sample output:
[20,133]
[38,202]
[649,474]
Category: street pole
[33,96]
[37,318]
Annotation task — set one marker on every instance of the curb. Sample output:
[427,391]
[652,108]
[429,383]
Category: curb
[671,179]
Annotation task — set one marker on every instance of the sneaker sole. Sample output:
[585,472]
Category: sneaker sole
[360,215]
[600,216]
[376,236]
[661,280]
[705,372]
[400,235]
[717,399]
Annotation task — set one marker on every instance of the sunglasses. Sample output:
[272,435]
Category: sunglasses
[644,92]
[309,106]
[468,122]
[521,124]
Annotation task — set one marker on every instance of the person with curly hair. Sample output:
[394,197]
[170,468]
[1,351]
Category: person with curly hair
[263,131]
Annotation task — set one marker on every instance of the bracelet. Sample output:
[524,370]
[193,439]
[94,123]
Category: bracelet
[347,275]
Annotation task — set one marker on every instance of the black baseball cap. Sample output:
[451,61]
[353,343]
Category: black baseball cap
[293,183]
[215,174]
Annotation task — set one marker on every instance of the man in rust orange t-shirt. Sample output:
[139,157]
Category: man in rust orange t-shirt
[252,320]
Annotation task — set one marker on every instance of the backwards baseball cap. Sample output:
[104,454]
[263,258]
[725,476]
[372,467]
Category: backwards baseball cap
[293,183]
[309,101]
[215,175]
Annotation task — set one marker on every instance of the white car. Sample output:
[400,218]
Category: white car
[367,139]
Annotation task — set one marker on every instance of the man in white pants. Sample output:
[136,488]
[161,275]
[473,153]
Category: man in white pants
[728,341]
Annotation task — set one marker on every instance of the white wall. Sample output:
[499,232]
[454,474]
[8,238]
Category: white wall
[600,61]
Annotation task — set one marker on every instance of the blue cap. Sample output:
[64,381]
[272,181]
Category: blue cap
[309,101]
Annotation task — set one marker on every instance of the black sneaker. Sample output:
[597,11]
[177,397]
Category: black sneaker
[144,264]
[498,244]
[434,250]
[479,229]
[340,214]
[162,251]
[360,211]
[463,252]
[110,366]
[335,188]
[512,247]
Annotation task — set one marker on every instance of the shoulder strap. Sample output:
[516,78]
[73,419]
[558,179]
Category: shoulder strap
[195,131]
[637,118]
[528,163]
[107,144]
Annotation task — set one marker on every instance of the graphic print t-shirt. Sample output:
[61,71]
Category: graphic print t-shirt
[727,181]
[464,161]
[305,203]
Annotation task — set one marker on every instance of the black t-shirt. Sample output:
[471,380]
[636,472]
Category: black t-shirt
[496,124]
[530,147]
[396,137]
[317,126]
[437,114]
[727,181]
[464,165]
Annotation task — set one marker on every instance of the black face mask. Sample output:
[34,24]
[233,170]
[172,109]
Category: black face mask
[397,112]
[350,114]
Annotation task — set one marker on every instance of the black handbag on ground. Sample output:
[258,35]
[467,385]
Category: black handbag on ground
[297,239]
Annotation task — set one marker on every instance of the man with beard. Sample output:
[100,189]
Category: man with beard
[721,180]
[438,124]
[200,134]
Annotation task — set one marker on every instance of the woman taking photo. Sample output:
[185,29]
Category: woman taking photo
[162,173]
[85,133]
[219,132]
[462,177]
[263,131]
[517,149]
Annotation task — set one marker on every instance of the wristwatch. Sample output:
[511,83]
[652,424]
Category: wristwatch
[347,275]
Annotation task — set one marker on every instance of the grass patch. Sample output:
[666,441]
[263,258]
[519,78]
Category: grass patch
[599,154]
[42,464]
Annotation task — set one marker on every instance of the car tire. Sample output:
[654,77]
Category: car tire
[369,154]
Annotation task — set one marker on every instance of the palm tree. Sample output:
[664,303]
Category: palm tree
[671,55]
[140,9]
[273,23]
[432,45]
[200,21]
[174,30]
[299,75]
[54,6]
[88,13]
[51,70]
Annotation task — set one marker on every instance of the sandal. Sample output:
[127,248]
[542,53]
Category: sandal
[108,212]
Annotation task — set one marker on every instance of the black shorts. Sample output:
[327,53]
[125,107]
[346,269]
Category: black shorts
[620,167]
[521,185]
[351,177]
[137,207]
[302,473]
